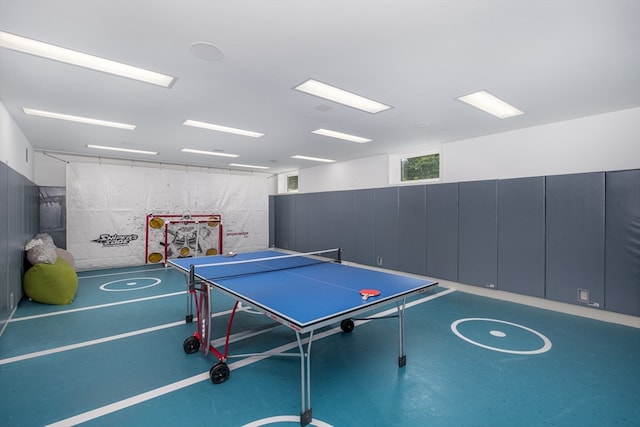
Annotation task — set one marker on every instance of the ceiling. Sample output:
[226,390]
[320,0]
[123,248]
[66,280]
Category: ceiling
[554,60]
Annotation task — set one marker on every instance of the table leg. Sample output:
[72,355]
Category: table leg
[402,358]
[305,379]
[204,318]
[188,318]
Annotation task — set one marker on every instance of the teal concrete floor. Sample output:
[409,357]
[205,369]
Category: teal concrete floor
[115,357]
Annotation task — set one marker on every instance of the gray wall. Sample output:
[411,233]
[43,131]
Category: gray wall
[478,233]
[521,236]
[541,236]
[19,221]
[53,214]
[622,242]
[575,224]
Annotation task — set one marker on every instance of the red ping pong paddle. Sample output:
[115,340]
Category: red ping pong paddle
[366,293]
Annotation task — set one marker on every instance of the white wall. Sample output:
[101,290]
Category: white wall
[15,150]
[598,143]
[604,142]
[50,170]
[368,172]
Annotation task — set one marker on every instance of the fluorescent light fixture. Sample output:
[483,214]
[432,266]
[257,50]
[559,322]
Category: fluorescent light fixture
[219,128]
[126,150]
[489,103]
[340,135]
[51,115]
[208,153]
[323,90]
[49,51]
[248,166]
[313,159]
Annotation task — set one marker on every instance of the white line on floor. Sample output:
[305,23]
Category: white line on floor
[87,343]
[219,341]
[151,394]
[93,307]
[99,341]
[80,276]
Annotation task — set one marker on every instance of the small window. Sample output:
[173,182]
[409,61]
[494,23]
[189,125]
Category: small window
[421,167]
[292,183]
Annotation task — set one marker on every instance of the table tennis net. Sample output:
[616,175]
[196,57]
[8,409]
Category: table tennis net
[230,269]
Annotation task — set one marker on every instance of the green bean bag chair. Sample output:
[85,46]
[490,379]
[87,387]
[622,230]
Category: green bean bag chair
[51,283]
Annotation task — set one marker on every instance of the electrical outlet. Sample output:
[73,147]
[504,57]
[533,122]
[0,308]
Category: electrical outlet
[583,295]
[379,260]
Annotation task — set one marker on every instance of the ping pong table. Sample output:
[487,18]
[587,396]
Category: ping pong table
[304,292]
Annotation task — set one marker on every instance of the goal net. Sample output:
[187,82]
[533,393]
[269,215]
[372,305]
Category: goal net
[182,235]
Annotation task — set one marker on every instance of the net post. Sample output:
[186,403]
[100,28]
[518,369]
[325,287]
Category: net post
[146,242]
[166,247]
[191,286]
[339,256]
[192,278]
[220,249]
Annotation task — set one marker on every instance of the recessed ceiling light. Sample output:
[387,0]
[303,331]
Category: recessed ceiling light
[51,115]
[57,53]
[208,153]
[219,128]
[332,93]
[483,100]
[126,150]
[340,135]
[313,159]
[248,166]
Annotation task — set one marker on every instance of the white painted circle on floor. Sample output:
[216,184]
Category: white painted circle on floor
[130,284]
[283,419]
[545,347]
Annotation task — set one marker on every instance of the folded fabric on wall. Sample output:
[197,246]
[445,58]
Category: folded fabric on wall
[41,249]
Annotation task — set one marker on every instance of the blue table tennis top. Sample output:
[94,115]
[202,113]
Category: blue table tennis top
[305,297]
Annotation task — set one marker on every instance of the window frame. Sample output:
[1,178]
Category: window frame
[297,176]
[283,180]
[395,166]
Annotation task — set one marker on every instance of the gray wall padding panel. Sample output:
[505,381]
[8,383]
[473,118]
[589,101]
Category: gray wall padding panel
[412,229]
[19,222]
[386,227]
[575,237]
[4,245]
[539,236]
[53,214]
[329,221]
[346,205]
[622,248]
[301,220]
[364,227]
[17,235]
[272,221]
[521,236]
[285,222]
[442,231]
[478,238]
[308,220]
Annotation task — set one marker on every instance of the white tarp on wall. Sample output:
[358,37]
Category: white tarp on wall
[107,207]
